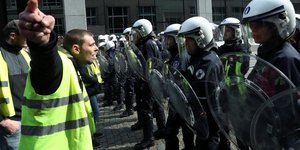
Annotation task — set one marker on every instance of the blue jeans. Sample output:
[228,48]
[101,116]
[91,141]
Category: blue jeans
[9,142]
[95,107]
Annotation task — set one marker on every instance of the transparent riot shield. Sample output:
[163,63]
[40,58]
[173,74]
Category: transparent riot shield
[121,65]
[276,124]
[185,102]
[156,76]
[248,82]
[136,61]
[104,64]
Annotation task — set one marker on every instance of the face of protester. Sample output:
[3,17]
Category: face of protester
[261,32]
[191,45]
[87,52]
[228,33]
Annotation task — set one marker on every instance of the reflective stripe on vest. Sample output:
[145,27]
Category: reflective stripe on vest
[58,120]
[52,103]
[6,102]
[46,130]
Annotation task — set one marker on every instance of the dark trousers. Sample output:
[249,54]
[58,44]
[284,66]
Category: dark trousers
[174,122]
[129,93]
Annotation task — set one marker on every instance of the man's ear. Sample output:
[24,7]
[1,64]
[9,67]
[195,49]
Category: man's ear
[75,49]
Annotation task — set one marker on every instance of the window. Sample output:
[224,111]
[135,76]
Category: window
[218,14]
[237,12]
[52,3]
[117,19]
[148,12]
[59,27]
[91,18]
[11,4]
[193,11]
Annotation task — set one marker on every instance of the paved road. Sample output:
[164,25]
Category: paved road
[117,133]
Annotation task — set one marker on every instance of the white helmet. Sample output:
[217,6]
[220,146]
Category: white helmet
[127,30]
[101,44]
[279,12]
[143,27]
[110,44]
[234,23]
[172,30]
[298,21]
[102,38]
[113,38]
[199,29]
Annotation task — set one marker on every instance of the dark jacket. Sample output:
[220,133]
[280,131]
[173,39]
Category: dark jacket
[17,74]
[285,58]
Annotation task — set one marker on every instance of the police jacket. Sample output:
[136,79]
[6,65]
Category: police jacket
[236,46]
[232,46]
[197,71]
[109,55]
[284,57]
[149,49]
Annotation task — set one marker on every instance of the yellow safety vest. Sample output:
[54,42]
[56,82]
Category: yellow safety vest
[96,70]
[59,121]
[6,102]
[238,79]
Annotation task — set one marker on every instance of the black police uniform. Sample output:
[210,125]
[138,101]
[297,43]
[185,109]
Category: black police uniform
[174,121]
[144,99]
[196,74]
[231,46]
[128,88]
[109,78]
[284,57]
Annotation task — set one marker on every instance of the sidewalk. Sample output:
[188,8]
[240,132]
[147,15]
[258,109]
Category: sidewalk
[117,133]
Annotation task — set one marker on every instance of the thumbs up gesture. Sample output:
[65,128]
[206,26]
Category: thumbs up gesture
[34,24]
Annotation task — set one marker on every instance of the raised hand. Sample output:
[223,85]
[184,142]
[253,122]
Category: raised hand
[34,24]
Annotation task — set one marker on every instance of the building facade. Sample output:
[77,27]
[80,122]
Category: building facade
[113,16]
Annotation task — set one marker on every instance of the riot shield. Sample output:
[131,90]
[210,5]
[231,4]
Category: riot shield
[156,77]
[136,61]
[185,102]
[104,64]
[121,65]
[248,82]
[276,124]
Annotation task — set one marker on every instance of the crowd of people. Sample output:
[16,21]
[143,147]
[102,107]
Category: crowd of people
[49,84]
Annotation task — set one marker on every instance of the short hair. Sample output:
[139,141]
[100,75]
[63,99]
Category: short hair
[75,36]
[10,27]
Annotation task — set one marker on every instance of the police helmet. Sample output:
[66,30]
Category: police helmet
[281,13]
[234,23]
[199,29]
[143,27]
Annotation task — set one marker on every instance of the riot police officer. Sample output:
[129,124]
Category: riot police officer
[144,40]
[201,47]
[174,121]
[130,81]
[232,34]
[295,39]
[272,23]
[109,74]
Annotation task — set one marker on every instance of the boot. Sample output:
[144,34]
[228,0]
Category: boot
[144,144]
[159,134]
[126,113]
[136,126]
